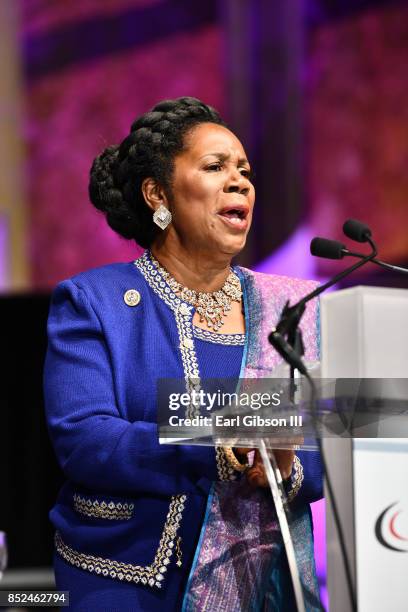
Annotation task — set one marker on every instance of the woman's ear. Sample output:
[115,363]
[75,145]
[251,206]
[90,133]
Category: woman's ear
[153,194]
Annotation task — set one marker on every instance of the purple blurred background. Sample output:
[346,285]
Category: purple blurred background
[316,90]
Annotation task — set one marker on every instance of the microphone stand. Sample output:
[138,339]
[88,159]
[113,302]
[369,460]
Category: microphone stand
[291,349]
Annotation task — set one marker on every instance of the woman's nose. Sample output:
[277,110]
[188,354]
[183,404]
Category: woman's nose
[237,183]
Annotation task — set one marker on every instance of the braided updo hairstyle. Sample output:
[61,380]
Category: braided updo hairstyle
[148,151]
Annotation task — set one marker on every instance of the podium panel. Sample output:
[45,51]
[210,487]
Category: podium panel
[365,336]
[364,333]
[381,523]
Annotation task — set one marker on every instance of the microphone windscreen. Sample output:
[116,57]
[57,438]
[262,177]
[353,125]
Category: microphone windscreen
[330,249]
[355,230]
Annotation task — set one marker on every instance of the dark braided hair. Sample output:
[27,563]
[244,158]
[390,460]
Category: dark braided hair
[148,151]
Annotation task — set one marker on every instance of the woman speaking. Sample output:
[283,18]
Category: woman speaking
[144,526]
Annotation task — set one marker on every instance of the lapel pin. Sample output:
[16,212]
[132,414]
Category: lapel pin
[131,297]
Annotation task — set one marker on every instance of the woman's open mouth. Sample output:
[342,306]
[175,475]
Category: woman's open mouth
[235,216]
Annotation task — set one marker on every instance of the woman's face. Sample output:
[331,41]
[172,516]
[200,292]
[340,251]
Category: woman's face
[212,195]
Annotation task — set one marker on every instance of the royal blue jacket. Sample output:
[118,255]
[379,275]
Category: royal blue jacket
[127,499]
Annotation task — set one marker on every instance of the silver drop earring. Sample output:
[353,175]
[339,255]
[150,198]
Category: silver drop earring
[162,217]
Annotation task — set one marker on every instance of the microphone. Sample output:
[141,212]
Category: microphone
[332,249]
[291,315]
[329,249]
[357,231]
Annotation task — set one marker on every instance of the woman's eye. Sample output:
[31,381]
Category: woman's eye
[213,167]
[245,172]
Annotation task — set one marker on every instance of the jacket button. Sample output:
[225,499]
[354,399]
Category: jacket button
[132,297]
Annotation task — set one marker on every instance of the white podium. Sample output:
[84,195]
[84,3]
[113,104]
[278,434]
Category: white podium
[364,334]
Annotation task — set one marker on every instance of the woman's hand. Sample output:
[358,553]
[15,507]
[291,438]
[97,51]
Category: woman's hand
[256,473]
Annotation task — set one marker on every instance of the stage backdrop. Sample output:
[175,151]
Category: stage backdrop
[91,67]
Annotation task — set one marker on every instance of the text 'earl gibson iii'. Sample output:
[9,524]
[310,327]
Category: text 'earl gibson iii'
[248,420]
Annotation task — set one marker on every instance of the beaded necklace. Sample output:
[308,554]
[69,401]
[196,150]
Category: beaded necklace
[212,307]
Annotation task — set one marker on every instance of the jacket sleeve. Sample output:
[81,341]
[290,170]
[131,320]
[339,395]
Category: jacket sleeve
[311,489]
[95,447]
